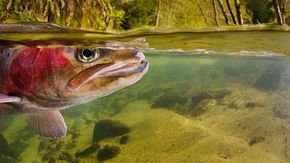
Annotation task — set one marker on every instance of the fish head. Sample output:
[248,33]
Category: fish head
[97,72]
[66,76]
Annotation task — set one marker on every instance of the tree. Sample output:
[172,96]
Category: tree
[239,13]
[202,13]
[223,11]
[231,12]
[260,11]
[215,13]
[280,9]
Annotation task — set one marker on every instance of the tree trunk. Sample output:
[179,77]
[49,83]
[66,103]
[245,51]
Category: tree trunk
[170,13]
[202,13]
[223,11]
[9,5]
[158,14]
[239,13]
[215,13]
[278,12]
[231,11]
[283,4]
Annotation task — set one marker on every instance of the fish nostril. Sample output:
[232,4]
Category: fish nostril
[143,63]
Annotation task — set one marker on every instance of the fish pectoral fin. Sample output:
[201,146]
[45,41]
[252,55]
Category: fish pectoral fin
[48,124]
[5,98]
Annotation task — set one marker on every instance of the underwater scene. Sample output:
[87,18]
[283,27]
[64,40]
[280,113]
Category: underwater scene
[207,97]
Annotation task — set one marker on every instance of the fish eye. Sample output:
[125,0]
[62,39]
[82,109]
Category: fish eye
[87,55]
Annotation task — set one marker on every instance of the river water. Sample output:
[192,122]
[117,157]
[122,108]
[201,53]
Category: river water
[207,97]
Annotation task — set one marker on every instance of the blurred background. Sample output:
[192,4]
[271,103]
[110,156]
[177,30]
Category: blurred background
[119,15]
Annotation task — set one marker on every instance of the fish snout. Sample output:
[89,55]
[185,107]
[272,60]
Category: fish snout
[142,61]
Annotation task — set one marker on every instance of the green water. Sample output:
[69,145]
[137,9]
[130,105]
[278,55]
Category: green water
[225,99]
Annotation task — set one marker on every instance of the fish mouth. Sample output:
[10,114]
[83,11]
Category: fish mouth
[119,69]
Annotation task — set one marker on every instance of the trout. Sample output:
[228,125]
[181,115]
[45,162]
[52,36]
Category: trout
[39,82]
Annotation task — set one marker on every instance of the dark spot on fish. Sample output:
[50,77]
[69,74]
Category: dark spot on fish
[124,139]
[108,129]
[108,152]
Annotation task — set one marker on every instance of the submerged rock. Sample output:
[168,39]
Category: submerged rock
[255,140]
[203,100]
[4,148]
[169,101]
[91,149]
[124,139]
[196,99]
[108,152]
[253,105]
[270,79]
[194,106]
[108,129]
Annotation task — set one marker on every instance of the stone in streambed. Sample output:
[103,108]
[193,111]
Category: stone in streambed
[270,80]
[124,139]
[108,129]
[108,152]
[91,149]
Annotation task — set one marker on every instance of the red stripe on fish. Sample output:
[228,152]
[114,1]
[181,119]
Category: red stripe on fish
[33,66]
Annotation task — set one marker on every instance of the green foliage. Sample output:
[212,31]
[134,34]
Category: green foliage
[139,13]
[261,11]
[130,14]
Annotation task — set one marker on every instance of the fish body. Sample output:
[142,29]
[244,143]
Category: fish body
[41,81]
